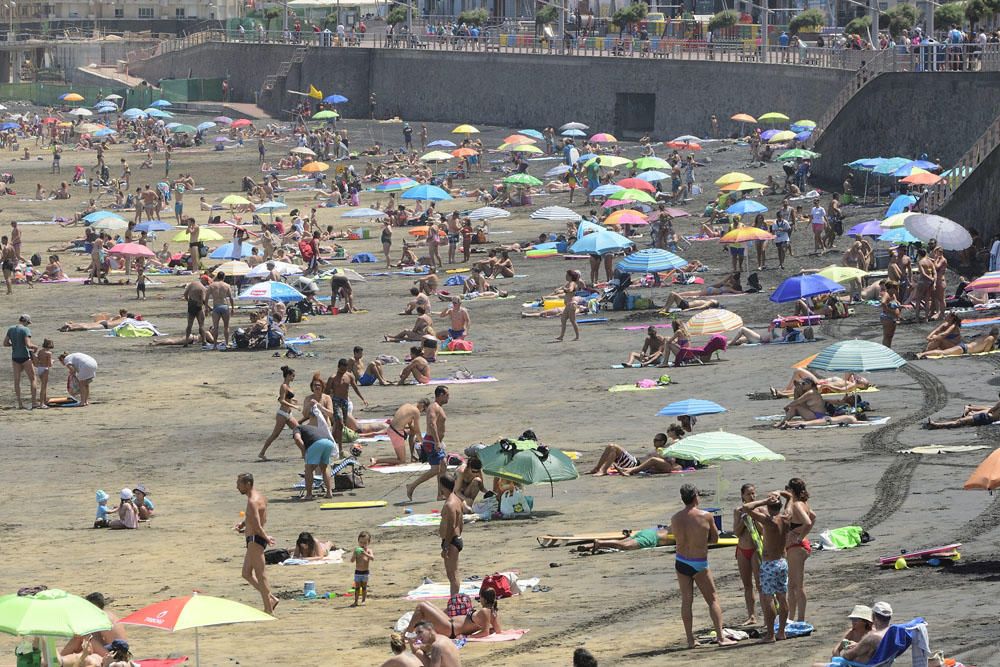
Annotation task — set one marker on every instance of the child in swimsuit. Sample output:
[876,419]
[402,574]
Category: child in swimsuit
[43,363]
[362,557]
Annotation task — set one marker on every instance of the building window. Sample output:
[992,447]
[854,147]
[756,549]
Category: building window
[179,13]
[145,12]
[119,13]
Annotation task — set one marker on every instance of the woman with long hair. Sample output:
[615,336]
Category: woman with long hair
[286,405]
[800,519]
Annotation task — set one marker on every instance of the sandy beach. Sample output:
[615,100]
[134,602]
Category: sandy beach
[184,423]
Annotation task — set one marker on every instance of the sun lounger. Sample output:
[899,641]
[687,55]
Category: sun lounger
[715,344]
[899,637]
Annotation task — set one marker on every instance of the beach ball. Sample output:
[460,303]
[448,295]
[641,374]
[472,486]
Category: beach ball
[901,564]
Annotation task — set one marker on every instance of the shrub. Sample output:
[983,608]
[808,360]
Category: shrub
[475,17]
[949,14]
[807,21]
[859,26]
[724,19]
[546,14]
[630,15]
[396,15]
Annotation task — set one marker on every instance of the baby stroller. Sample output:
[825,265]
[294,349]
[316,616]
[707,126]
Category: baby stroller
[616,293]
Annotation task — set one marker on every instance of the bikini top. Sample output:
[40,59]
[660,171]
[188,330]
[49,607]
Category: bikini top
[794,526]
[289,396]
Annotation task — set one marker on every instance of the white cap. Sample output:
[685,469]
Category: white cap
[126,494]
[882,609]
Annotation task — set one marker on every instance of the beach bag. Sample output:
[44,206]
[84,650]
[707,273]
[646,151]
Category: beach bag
[838,310]
[487,507]
[695,190]
[346,481]
[276,556]
[460,346]
[514,503]
[459,604]
[846,537]
[499,583]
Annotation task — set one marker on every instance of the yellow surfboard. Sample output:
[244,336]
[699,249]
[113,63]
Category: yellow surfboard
[354,505]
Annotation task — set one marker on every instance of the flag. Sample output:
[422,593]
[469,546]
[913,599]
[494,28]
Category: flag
[315,94]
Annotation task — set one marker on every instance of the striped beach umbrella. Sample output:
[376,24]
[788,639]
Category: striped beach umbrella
[716,446]
[649,260]
[713,321]
[556,213]
[856,355]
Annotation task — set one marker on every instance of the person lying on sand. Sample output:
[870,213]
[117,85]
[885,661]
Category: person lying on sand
[834,385]
[729,285]
[674,300]
[981,345]
[308,547]
[642,539]
[481,623]
[792,334]
[973,415]
[828,420]
[101,321]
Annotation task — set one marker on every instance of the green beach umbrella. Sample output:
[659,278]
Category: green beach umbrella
[645,163]
[190,129]
[772,117]
[609,161]
[856,355]
[633,195]
[798,153]
[526,462]
[718,446]
[522,179]
[325,113]
[49,614]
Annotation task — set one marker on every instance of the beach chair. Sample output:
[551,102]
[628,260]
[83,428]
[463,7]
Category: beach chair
[897,639]
[715,345]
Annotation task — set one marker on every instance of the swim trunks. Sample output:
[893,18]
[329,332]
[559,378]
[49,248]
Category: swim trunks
[456,334]
[804,544]
[194,308]
[341,408]
[981,419]
[319,453]
[221,309]
[646,539]
[774,576]
[455,542]
[258,540]
[429,452]
[689,566]
[367,380]
[361,576]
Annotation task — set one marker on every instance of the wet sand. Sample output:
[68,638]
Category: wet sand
[185,422]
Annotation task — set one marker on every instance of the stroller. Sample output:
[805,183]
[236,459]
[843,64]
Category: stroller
[616,293]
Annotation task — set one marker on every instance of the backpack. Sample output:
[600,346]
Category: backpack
[499,583]
[275,556]
[459,604]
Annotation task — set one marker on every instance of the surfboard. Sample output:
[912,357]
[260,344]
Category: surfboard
[570,540]
[354,505]
[946,551]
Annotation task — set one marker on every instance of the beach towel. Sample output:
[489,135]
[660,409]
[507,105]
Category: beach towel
[795,629]
[423,520]
[335,557]
[476,380]
[631,387]
[160,662]
[403,467]
[845,537]
[433,591]
[872,421]
[131,328]
[505,636]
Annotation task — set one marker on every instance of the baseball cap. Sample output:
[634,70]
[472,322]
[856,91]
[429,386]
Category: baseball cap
[861,612]
[24,319]
[882,609]
[125,494]
[117,645]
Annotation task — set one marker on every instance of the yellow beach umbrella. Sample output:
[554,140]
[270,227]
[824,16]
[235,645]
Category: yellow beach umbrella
[842,274]
[235,200]
[739,187]
[772,117]
[204,234]
[526,148]
[465,129]
[733,177]
[784,135]
[72,97]
[713,321]
[894,221]
[314,167]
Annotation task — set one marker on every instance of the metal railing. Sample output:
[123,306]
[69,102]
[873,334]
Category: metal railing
[939,195]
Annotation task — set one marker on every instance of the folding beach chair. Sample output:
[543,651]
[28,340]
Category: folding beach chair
[899,637]
[715,345]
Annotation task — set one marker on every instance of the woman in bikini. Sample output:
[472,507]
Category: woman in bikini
[308,547]
[480,623]
[286,405]
[937,296]
[981,345]
[674,300]
[747,557]
[569,309]
[945,335]
[834,385]
[729,285]
[891,311]
[800,519]
[680,339]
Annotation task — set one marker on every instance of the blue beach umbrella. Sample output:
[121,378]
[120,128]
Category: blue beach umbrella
[230,251]
[133,113]
[803,136]
[534,134]
[105,132]
[900,203]
[9,126]
[443,143]
[899,236]
[601,243]
[651,259]
[588,227]
[335,99]
[158,113]
[745,206]
[426,192]
[605,190]
[691,407]
[153,226]
[890,165]
[652,176]
[207,125]
[171,126]
[270,206]
[101,215]
[586,156]
[801,287]
[161,104]
[270,291]
[364,213]
[573,133]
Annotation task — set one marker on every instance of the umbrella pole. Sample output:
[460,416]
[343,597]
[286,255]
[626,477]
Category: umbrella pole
[50,655]
[197,651]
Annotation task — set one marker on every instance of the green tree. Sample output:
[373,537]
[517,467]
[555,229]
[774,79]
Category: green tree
[724,19]
[949,14]
[630,15]
[331,21]
[859,26]
[975,11]
[396,15]
[899,18]
[474,17]
[807,21]
[546,14]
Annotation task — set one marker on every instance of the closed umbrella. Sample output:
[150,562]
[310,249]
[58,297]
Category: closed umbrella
[527,462]
[232,251]
[49,614]
[986,475]
[426,192]
[713,321]
[691,407]
[650,260]
[560,213]
[194,611]
[270,290]
[856,355]
[949,234]
[801,287]
[488,213]
[601,243]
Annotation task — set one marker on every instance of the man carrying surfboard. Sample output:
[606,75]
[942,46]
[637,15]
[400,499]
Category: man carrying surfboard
[694,530]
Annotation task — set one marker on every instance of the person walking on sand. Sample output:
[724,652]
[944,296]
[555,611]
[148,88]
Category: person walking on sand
[569,305]
[196,296]
[773,566]
[255,518]
[694,530]
[339,386]
[18,339]
[432,448]
[221,295]
[451,532]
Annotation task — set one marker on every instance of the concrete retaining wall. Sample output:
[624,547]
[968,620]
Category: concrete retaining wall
[974,204]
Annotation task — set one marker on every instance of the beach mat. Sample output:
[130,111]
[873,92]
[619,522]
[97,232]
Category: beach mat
[631,387]
[63,402]
[412,520]
[547,541]
[354,505]
[335,557]
[403,467]
[435,591]
[505,636]
[485,378]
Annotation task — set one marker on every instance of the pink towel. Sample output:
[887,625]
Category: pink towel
[160,662]
[505,636]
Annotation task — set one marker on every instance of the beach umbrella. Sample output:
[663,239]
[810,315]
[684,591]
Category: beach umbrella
[574,126]
[527,462]
[746,206]
[302,150]
[718,446]
[517,139]
[49,614]
[605,190]
[691,407]
[772,117]
[888,166]
[364,213]
[81,112]
[526,148]
[988,283]
[488,213]
[522,180]
[171,126]
[242,122]
[733,177]
[900,204]
[744,234]
[283,268]
[742,187]
[895,221]
[159,113]
[133,113]
[131,250]
[672,212]
[601,243]
[610,161]
[651,163]
[798,153]
[465,129]
[270,290]
[652,176]
[683,145]
[9,126]
[113,97]
[436,156]
[603,138]
[534,134]
[585,158]
[443,143]
[869,228]
[637,184]
[104,132]
[204,234]
[556,213]
[110,224]
[71,97]
[767,134]
[650,260]
[232,251]
[779,137]
[153,226]
[949,234]
[270,206]
[421,230]
[343,272]
[842,274]
[573,133]
[233,268]
[426,192]
[899,236]
[84,127]
[235,200]
[743,118]
[181,129]
[626,216]
[207,125]
[161,103]
[632,194]
[225,120]
[396,184]
[194,611]
[558,170]
[100,215]
[464,152]
[713,321]
[335,99]
[587,227]
[986,475]
[803,136]
[922,177]
[49,120]
[858,356]
[803,287]
[315,167]
[909,169]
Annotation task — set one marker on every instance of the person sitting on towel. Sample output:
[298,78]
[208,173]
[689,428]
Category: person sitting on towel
[658,462]
[652,350]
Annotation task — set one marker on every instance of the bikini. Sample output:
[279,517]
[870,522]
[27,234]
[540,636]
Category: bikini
[804,544]
[746,553]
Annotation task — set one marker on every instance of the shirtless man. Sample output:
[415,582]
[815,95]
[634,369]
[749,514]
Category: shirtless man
[773,566]
[404,427]
[423,326]
[419,299]
[923,293]
[149,199]
[339,386]
[196,296]
[694,530]
[451,531]
[418,367]
[432,448]
[15,239]
[454,234]
[652,350]
[8,260]
[434,650]
[255,518]
[860,651]
[194,246]
[900,269]
[221,295]
[973,415]
[460,320]
[367,374]
[75,648]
